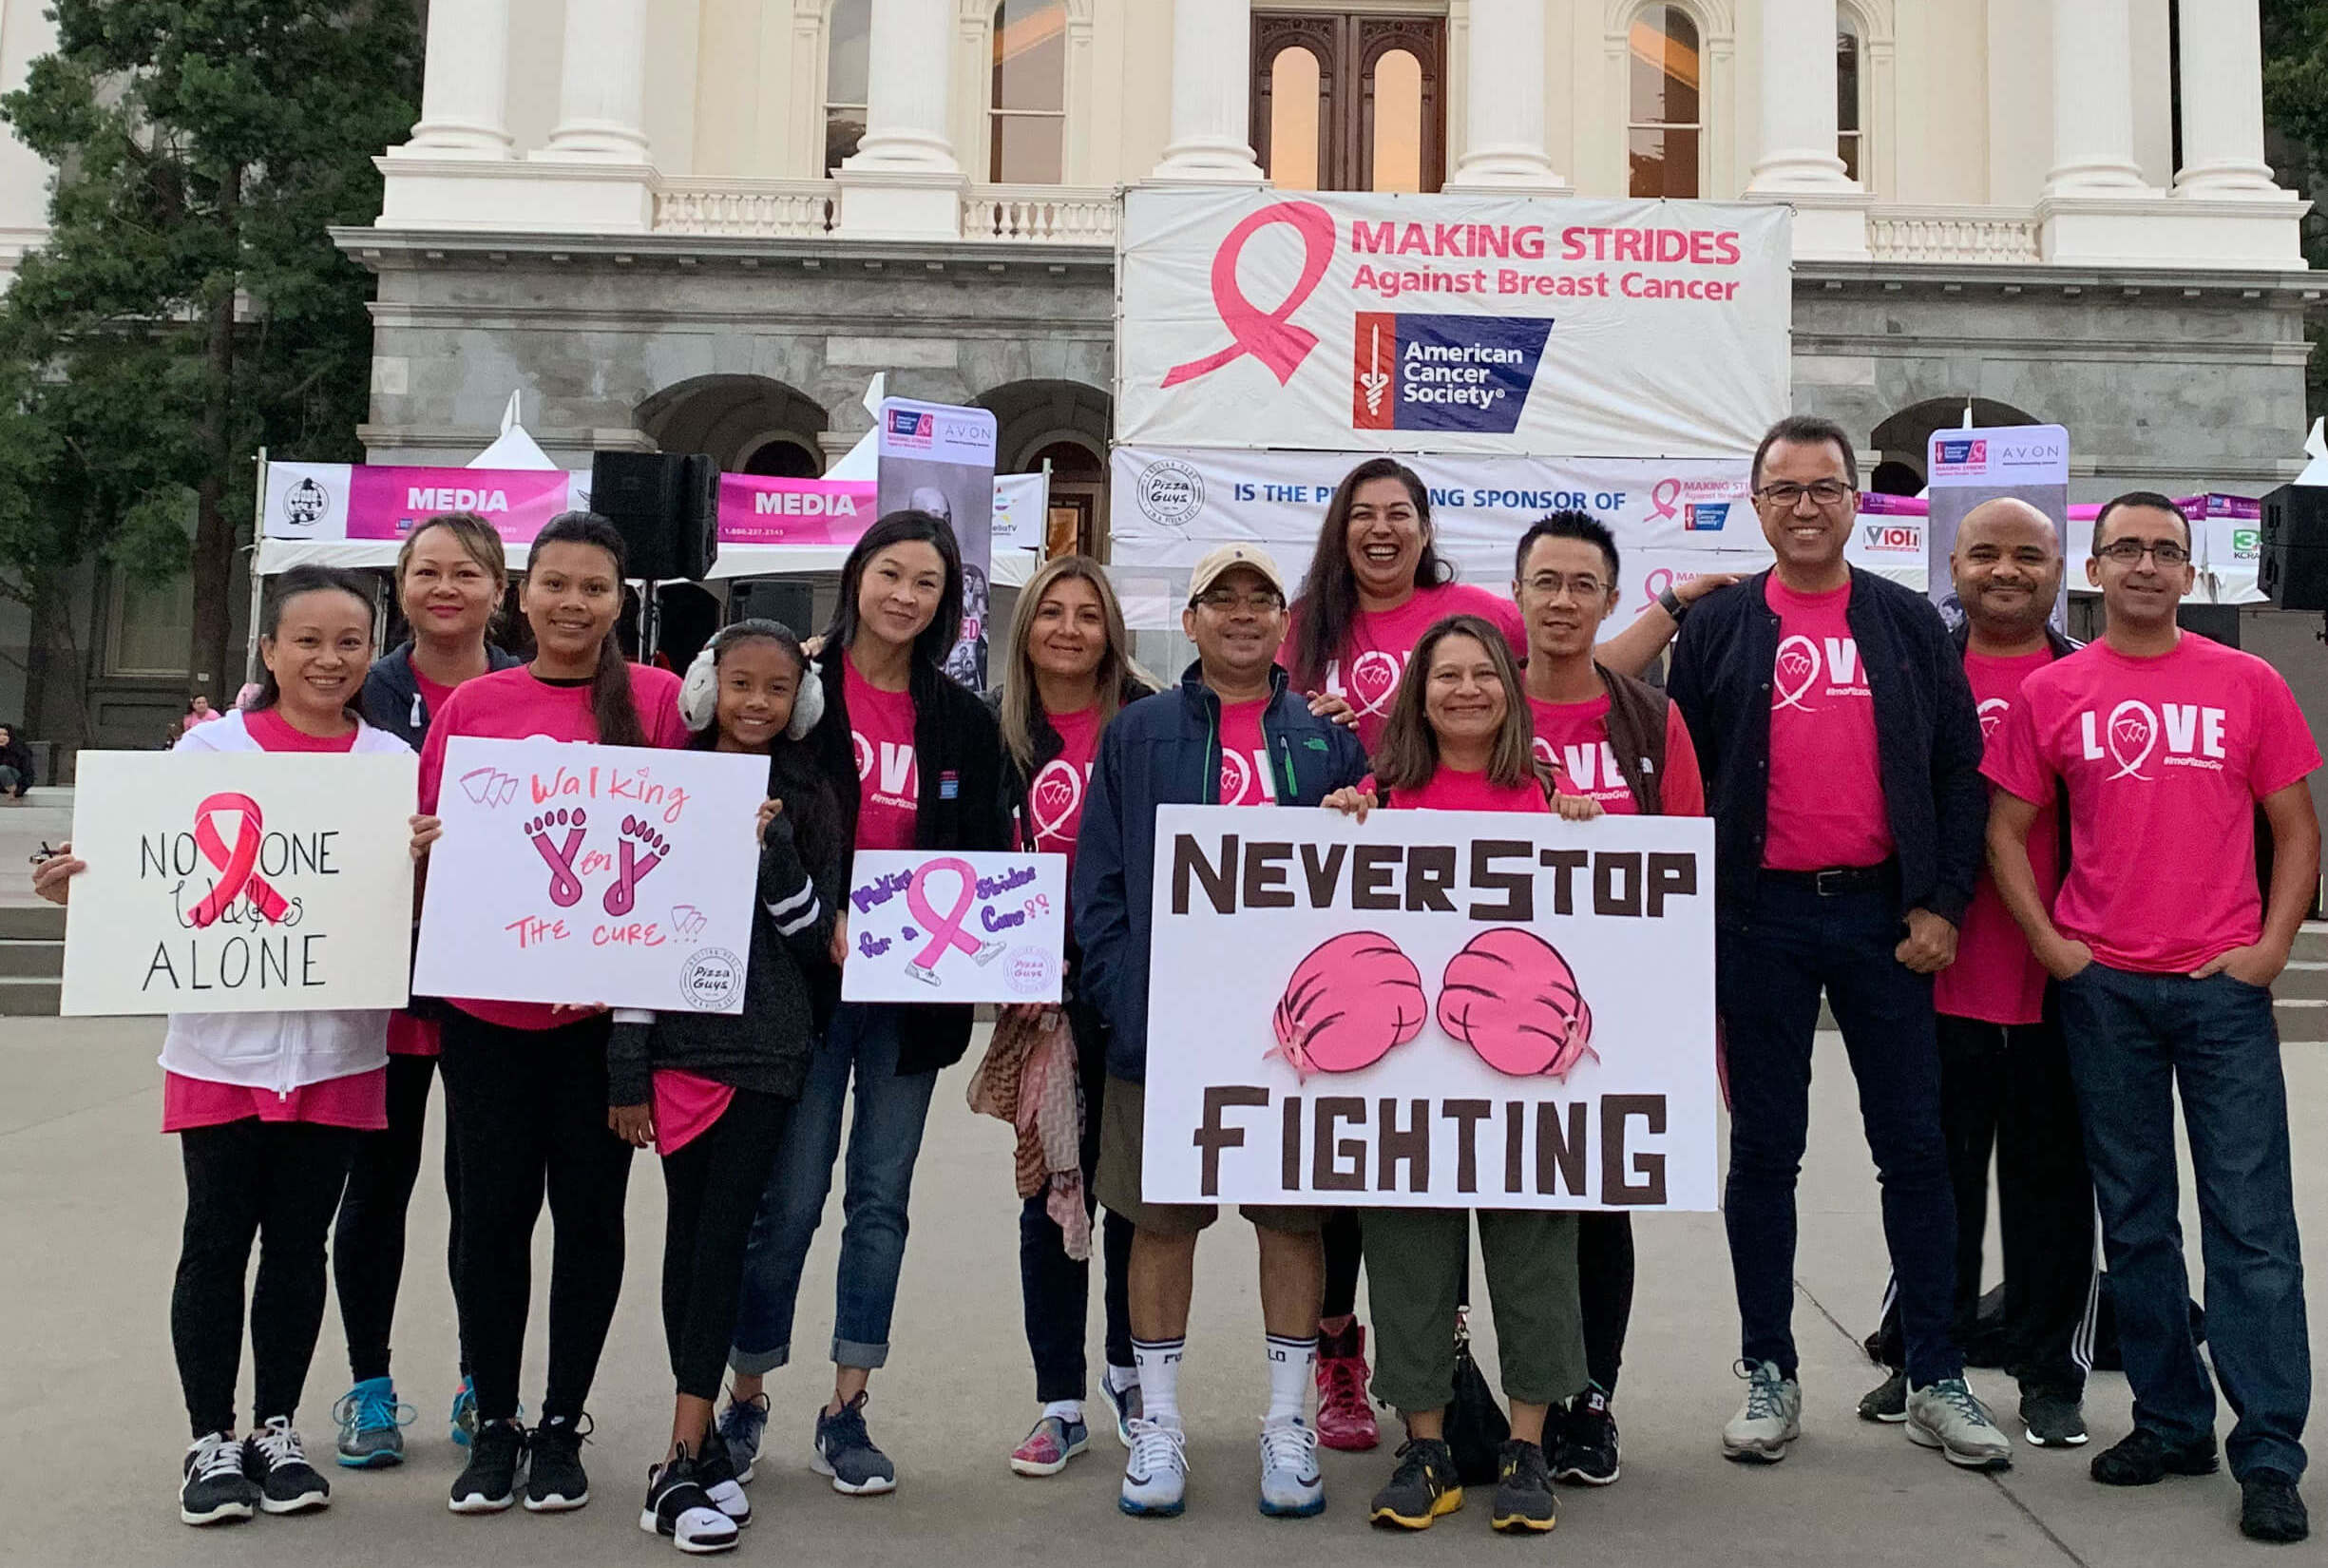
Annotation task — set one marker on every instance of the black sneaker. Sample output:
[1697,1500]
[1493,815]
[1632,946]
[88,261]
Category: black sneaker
[556,1483]
[2270,1508]
[678,1506]
[2142,1459]
[1524,1504]
[716,1469]
[2054,1421]
[1887,1402]
[496,1453]
[1422,1488]
[1585,1450]
[213,1488]
[845,1451]
[275,1462]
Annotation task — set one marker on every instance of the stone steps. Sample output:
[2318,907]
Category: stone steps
[32,959]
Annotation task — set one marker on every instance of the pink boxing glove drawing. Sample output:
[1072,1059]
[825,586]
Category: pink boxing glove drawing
[1511,997]
[1348,1004]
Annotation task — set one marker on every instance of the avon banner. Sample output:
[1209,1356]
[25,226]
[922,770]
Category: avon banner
[1450,323]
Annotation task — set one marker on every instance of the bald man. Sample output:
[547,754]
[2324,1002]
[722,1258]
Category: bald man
[2004,1073]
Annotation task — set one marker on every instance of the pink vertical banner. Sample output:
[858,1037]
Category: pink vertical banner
[388,503]
[759,509]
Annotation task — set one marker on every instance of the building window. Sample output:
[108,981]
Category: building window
[1349,101]
[848,70]
[1297,107]
[1394,123]
[1667,118]
[1850,101]
[1028,137]
[152,627]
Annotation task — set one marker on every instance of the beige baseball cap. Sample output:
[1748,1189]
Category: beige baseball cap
[1221,558]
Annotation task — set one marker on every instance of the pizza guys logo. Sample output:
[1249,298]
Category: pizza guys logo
[2126,737]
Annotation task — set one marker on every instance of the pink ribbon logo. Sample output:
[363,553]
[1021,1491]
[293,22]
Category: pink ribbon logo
[1374,680]
[238,867]
[1267,335]
[2133,731]
[1661,497]
[1656,582]
[1796,670]
[945,931]
[1056,800]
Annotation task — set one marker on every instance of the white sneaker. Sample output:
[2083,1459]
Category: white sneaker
[1291,1485]
[1946,1416]
[1156,1476]
[1770,1420]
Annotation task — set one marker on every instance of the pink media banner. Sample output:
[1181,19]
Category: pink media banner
[386,501]
[756,509]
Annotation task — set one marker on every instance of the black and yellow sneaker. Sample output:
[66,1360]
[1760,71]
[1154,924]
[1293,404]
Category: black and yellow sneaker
[1524,1504]
[1421,1488]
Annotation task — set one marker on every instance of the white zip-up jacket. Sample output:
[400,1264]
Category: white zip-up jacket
[278,1051]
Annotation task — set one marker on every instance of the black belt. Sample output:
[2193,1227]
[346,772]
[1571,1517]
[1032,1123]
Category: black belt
[1838,880]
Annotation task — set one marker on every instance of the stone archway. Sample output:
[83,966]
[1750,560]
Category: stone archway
[1902,441]
[1067,422]
[748,424]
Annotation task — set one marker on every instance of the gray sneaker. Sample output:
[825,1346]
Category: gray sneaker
[1770,1419]
[845,1451]
[2054,1421]
[1944,1415]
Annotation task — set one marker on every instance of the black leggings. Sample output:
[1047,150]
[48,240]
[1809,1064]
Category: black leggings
[1341,1234]
[276,1182]
[528,1112]
[712,1190]
[367,1244]
[1604,1290]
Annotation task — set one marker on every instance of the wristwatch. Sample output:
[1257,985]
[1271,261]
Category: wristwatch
[1672,603]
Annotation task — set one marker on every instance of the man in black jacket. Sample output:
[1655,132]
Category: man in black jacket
[1842,754]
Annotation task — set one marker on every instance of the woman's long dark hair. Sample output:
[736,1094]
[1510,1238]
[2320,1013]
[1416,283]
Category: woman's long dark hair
[793,774]
[290,585]
[613,707]
[944,628]
[1327,607]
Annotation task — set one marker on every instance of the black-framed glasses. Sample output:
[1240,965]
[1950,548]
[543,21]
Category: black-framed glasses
[1828,493]
[2129,552]
[1225,601]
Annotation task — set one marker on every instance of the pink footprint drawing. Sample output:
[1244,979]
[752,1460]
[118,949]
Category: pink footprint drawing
[638,851]
[565,888]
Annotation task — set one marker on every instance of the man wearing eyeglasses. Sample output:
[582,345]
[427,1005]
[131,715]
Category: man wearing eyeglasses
[1841,752]
[2164,951]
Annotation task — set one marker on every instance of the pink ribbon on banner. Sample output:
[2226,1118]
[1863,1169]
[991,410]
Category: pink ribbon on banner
[1659,578]
[944,932]
[236,867]
[1267,335]
[1661,497]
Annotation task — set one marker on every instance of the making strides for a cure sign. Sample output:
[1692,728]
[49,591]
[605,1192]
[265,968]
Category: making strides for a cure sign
[1438,1010]
[233,882]
[586,874]
[974,927]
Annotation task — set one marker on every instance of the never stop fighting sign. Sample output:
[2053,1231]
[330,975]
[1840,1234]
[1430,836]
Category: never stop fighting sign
[1431,1009]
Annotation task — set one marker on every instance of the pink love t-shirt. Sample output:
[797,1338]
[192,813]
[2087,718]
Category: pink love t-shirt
[1366,671]
[2164,759]
[1996,978]
[1451,790]
[1055,795]
[1827,778]
[1573,739]
[889,783]
[1246,779]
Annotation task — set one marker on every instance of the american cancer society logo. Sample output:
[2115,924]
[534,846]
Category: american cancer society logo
[912,428]
[1443,372]
[1953,458]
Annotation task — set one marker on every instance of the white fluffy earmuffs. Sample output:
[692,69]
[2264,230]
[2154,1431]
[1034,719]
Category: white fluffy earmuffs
[700,694]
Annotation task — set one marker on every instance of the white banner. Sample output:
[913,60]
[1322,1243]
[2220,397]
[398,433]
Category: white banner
[581,874]
[1431,1009]
[232,882]
[940,927]
[1450,323]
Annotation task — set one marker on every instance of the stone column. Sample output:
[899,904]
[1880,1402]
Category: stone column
[2223,102]
[1212,66]
[602,91]
[1798,165]
[2094,108]
[1503,119]
[465,84]
[903,182]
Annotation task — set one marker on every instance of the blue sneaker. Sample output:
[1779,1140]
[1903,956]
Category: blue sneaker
[1124,1403]
[845,1450]
[740,1426]
[372,1426]
[464,1413]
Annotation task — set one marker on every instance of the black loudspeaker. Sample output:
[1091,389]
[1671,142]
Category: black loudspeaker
[2218,622]
[667,505]
[788,602]
[2294,565]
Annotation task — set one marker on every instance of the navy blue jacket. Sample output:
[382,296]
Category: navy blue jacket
[392,698]
[1927,734]
[1166,751]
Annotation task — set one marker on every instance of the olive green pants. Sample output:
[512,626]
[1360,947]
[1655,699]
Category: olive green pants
[1415,1264]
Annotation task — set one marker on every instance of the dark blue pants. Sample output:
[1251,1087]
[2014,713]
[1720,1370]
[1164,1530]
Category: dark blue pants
[1054,1288]
[2134,1040]
[1771,961]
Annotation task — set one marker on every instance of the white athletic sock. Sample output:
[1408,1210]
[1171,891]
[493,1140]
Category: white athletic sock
[1293,1365]
[1068,1410]
[1122,1379]
[1158,1360]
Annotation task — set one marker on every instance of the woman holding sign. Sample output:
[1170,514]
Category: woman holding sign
[916,764]
[268,1107]
[525,1083]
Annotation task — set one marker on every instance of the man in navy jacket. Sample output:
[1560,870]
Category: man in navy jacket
[1232,734]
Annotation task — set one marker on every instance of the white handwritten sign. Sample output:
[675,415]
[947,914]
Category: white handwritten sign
[937,926]
[586,874]
[233,882]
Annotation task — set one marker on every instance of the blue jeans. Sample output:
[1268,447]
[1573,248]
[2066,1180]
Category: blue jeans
[885,1140]
[2134,1040]
[1772,962]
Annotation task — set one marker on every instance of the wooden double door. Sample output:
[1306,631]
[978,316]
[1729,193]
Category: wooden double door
[1350,101]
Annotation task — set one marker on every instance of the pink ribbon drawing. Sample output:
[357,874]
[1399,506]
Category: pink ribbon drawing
[1267,335]
[946,930]
[1659,578]
[237,867]
[1661,497]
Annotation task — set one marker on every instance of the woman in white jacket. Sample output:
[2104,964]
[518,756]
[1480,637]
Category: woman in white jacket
[267,1106]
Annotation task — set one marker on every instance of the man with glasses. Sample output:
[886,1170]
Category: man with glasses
[2164,951]
[1841,753]
[1234,733]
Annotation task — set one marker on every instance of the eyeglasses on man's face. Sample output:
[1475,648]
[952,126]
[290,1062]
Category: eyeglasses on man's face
[1229,601]
[1583,585]
[1786,494]
[2129,552]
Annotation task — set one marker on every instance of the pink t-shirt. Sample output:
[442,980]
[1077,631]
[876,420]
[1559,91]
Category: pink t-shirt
[513,705]
[685,1106]
[888,780]
[1996,978]
[1451,790]
[1367,670]
[407,1035]
[1054,799]
[1826,776]
[1246,778]
[2164,759]
[1573,738]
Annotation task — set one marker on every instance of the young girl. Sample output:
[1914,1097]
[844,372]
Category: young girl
[261,1162]
[525,1082]
[915,763]
[451,576]
[714,1093]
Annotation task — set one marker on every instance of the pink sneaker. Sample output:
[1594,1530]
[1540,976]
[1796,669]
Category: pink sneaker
[1049,1446]
[1345,1416]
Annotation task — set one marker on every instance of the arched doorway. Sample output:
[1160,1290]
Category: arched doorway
[1903,440]
[748,424]
[1066,423]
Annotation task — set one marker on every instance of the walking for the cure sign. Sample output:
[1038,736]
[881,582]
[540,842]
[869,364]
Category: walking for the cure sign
[233,882]
[1431,1009]
[584,874]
